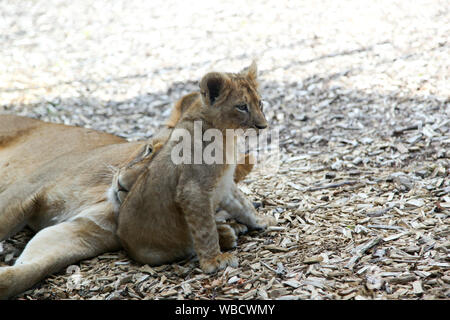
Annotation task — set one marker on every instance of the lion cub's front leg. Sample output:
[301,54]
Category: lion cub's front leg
[199,214]
[240,208]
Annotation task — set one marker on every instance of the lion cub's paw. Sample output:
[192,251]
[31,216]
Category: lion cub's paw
[227,237]
[239,228]
[264,221]
[220,261]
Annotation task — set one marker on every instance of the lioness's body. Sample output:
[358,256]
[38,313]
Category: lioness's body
[56,167]
[26,144]
[54,178]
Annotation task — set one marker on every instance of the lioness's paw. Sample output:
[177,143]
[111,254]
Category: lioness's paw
[220,261]
[7,277]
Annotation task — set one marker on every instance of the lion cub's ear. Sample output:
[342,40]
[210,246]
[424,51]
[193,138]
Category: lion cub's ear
[212,86]
[251,72]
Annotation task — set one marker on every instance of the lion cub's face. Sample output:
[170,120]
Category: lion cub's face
[232,100]
[125,177]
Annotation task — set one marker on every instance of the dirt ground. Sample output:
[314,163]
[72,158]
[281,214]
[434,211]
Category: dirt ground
[358,90]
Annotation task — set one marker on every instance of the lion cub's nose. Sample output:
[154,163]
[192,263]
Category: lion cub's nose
[259,126]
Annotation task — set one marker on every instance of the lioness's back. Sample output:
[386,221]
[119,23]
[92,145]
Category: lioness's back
[26,144]
[12,126]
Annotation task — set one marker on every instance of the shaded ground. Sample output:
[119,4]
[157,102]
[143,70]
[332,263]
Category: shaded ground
[358,91]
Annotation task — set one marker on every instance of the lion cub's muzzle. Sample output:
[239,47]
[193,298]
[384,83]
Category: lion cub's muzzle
[259,122]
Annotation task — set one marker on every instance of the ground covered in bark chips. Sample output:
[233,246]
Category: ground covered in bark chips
[359,91]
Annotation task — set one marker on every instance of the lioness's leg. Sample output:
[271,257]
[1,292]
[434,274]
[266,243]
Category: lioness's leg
[52,249]
[241,209]
[16,206]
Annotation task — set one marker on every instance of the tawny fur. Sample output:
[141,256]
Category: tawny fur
[55,179]
[185,199]
[193,100]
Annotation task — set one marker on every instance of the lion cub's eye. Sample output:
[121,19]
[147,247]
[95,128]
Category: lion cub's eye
[242,107]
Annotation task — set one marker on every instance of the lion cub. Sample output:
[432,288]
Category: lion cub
[125,176]
[178,201]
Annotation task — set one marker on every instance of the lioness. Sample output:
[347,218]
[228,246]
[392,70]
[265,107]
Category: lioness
[55,179]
